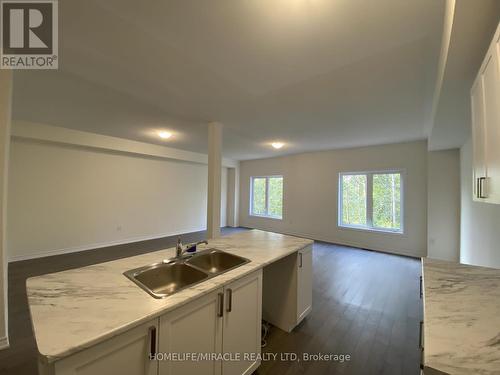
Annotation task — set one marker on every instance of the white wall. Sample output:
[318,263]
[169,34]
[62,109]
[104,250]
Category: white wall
[233,200]
[443,209]
[311,195]
[69,198]
[480,222]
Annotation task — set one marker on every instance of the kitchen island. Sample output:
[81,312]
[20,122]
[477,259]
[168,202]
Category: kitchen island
[94,319]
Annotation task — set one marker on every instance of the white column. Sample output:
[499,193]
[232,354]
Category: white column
[233,201]
[214,179]
[5,118]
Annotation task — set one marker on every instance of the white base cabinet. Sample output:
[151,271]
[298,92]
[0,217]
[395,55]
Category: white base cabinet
[192,328]
[242,324]
[227,321]
[304,283]
[125,354]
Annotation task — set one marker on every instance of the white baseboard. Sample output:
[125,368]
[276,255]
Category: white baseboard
[403,252]
[4,342]
[93,246]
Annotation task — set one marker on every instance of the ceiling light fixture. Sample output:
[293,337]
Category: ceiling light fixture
[164,135]
[277,145]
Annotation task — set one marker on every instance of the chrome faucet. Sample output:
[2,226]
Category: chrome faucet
[181,249]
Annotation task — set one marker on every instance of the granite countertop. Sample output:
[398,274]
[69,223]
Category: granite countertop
[75,309]
[461,318]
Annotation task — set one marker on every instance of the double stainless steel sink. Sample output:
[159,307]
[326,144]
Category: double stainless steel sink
[168,277]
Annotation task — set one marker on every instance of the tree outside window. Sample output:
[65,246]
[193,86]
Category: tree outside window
[267,196]
[371,200]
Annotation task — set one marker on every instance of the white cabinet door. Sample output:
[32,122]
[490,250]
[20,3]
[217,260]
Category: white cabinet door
[304,283]
[242,322]
[193,328]
[287,290]
[125,354]
[491,91]
[478,136]
[485,106]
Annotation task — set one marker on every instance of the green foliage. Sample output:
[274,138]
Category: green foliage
[259,196]
[354,199]
[274,200]
[386,200]
[276,196]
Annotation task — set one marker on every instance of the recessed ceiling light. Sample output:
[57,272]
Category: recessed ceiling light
[277,145]
[164,135]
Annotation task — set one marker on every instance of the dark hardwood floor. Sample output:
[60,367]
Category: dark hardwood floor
[365,304]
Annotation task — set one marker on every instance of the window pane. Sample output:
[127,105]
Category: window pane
[387,201]
[354,199]
[259,196]
[276,196]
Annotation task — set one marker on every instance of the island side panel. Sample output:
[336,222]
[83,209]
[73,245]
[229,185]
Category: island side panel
[280,288]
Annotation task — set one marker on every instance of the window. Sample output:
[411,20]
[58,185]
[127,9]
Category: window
[266,196]
[371,200]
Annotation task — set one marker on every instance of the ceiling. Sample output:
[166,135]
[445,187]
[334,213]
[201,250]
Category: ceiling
[315,74]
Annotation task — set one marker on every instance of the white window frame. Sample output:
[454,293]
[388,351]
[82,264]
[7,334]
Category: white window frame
[266,215]
[369,202]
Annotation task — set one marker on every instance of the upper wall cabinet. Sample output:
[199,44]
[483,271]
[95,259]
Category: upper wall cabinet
[485,102]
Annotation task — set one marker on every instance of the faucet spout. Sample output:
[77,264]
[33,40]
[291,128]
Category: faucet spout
[178,248]
[181,249]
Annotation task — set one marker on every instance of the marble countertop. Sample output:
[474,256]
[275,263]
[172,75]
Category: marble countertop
[461,318]
[75,309]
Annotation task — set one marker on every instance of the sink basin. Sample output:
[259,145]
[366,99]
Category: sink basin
[216,261]
[170,276]
[163,279]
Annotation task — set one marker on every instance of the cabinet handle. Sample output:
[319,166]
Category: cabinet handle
[478,187]
[229,306]
[481,187]
[420,335]
[420,345]
[220,305]
[152,344]
[421,291]
[421,359]
[300,260]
